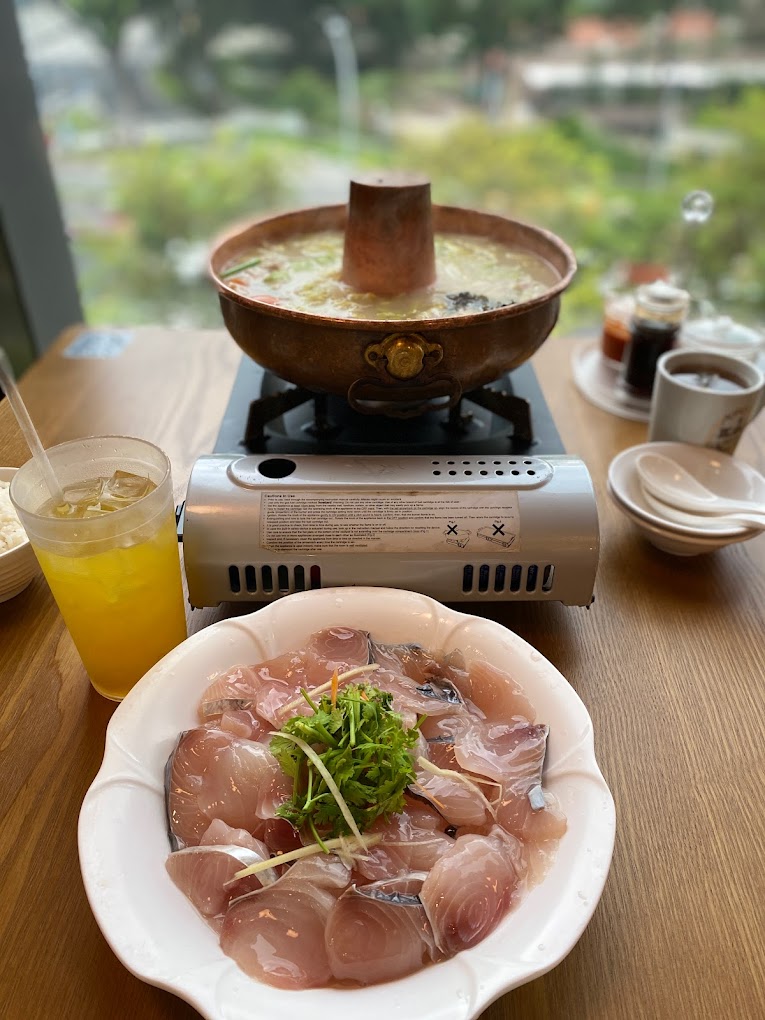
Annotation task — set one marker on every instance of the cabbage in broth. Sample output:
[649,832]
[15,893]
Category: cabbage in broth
[473,274]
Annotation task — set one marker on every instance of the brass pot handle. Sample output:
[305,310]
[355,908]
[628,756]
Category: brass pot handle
[367,397]
[403,355]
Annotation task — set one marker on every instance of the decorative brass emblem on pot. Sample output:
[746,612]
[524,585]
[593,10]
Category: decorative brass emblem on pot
[403,355]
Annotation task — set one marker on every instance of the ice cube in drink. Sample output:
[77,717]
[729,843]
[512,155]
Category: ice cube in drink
[84,493]
[96,497]
[127,487]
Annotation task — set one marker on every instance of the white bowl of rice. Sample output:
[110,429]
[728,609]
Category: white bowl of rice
[18,563]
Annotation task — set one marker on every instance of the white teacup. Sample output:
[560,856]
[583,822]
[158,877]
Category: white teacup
[704,398]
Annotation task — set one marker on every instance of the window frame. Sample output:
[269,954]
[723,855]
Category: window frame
[30,212]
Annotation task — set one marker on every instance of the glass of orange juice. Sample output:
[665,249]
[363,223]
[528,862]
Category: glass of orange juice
[109,553]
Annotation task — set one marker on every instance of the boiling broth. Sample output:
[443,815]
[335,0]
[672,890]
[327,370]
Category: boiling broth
[473,274]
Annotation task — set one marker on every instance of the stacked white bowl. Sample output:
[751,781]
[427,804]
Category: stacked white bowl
[18,565]
[726,476]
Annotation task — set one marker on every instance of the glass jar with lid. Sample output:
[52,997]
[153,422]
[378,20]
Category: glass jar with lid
[660,309]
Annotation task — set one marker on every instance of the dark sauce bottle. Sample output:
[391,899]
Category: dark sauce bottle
[659,312]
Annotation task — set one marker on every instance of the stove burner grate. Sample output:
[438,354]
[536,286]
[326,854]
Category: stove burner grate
[290,419]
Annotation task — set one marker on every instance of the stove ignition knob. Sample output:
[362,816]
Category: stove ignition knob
[403,355]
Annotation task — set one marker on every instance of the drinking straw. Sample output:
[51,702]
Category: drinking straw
[8,383]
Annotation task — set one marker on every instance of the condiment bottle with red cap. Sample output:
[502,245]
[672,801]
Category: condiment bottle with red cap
[660,310]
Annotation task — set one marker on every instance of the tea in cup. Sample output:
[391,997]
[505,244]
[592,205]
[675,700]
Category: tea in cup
[704,398]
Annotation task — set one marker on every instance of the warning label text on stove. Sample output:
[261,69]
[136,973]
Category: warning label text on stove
[443,522]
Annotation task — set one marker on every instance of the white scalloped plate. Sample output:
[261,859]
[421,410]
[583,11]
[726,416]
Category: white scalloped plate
[156,932]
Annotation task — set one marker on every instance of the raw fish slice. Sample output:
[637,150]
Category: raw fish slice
[404,659]
[459,802]
[379,932]
[270,684]
[420,748]
[514,756]
[229,691]
[422,816]
[470,889]
[280,836]
[441,753]
[341,646]
[290,668]
[441,690]
[202,873]
[250,687]
[244,723]
[306,668]
[455,801]
[445,727]
[212,774]
[273,695]
[409,698]
[404,847]
[276,694]
[427,674]
[439,740]
[419,665]
[497,695]
[517,816]
[276,934]
[218,833]
[420,854]
[511,754]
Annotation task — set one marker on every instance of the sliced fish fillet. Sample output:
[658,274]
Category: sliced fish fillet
[277,933]
[213,774]
[471,888]
[379,932]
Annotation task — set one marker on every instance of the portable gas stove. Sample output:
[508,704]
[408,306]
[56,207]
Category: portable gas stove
[476,503]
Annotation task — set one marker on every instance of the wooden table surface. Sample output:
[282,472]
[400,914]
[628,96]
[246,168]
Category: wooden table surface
[670,661]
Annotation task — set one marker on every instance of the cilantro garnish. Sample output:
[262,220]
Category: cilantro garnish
[363,745]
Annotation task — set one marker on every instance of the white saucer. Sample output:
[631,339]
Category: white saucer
[598,380]
[723,474]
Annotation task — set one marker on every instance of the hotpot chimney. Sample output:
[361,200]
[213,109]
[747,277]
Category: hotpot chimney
[388,246]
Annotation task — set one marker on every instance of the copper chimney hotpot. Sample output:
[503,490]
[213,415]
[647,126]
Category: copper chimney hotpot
[403,367]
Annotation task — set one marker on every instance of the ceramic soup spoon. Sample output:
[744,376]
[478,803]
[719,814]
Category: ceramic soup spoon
[671,483]
[703,522]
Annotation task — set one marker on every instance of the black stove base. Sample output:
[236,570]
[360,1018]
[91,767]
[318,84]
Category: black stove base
[328,425]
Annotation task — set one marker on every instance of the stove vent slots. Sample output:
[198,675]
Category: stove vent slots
[501,577]
[267,579]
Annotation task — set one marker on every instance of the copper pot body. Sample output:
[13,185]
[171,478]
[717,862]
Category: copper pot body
[402,367]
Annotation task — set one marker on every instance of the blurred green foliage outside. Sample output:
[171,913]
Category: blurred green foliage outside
[557,174]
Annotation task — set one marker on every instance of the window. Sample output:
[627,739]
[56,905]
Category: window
[592,119]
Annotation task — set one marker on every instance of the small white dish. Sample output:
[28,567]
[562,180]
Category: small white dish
[672,538]
[18,565]
[726,476]
[157,934]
